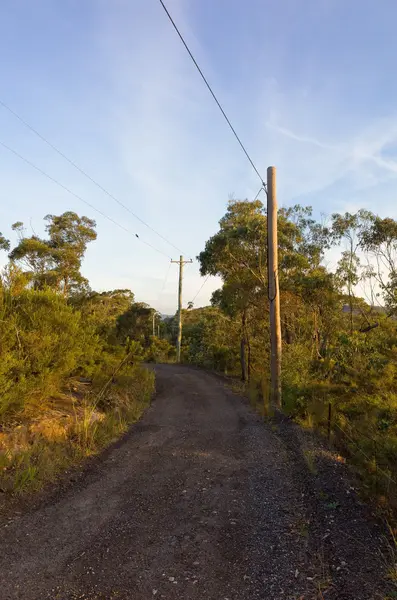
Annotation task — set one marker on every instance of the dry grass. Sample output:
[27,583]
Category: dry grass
[67,428]
[392,563]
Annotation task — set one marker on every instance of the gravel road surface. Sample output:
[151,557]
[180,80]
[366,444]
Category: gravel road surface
[200,500]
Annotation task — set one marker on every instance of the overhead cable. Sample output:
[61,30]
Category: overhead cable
[76,166]
[259,191]
[201,287]
[64,187]
[212,93]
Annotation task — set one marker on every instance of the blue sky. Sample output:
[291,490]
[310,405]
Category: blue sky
[309,85]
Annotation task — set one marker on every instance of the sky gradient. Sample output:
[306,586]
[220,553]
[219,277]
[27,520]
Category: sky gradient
[309,85]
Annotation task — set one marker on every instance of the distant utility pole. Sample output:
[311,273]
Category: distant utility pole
[181,264]
[154,323]
[273,290]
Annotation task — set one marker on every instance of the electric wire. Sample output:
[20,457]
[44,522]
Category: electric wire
[201,287]
[76,166]
[64,187]
[212,92]
[259,191]
[165,281]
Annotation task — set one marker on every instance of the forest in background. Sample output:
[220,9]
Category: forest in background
[339,370]
[71,375]
[71,378]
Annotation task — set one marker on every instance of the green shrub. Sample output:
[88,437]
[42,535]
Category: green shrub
[43,340]
[159,351]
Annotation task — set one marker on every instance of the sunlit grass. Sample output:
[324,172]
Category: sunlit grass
[38,450]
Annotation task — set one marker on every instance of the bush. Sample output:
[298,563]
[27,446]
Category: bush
[70,379]
[159,351]
[36,452]
[43,340]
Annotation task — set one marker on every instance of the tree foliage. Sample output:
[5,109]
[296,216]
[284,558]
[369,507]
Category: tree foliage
[53,327]
[55,262]
[339,349]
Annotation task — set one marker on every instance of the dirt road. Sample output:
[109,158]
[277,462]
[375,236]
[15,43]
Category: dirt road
[201,500]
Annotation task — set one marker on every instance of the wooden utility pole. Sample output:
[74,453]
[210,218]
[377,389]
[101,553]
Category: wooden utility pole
[154,323]
[181,264]
[273,290]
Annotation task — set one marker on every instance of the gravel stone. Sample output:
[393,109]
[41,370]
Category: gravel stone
[201,499]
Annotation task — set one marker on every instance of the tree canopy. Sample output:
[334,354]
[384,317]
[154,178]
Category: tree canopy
[56,261]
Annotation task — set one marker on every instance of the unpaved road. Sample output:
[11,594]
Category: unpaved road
[201,500]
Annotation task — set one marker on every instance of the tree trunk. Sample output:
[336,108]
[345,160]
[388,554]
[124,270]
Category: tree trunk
[249,359]
[288,331]
[351,311]
[323,347]
[242,360]
[243,342]
[248,345]
[350,290]
[316,335]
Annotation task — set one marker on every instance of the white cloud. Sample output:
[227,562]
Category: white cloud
[323,161]
[135,113]
[301,138]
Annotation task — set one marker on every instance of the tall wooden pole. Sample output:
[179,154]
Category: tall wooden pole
[273,290]
[181,263]
[179,338]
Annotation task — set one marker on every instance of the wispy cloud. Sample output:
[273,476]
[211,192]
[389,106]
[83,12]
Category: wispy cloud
[302,138]
[123,99]
[359,157]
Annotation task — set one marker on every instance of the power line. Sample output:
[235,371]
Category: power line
[166,278]
[164,282]
[64,187]
[76,166]
[259,191]
[201,287]
[212,93]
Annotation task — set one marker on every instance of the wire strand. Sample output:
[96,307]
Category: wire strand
[259,191]
[201,287]
[165,281]
[212,93]
[64,187]
[76,166]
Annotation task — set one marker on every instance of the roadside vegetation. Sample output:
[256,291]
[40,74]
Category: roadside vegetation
[71,375]
[71,379]
[339,326]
